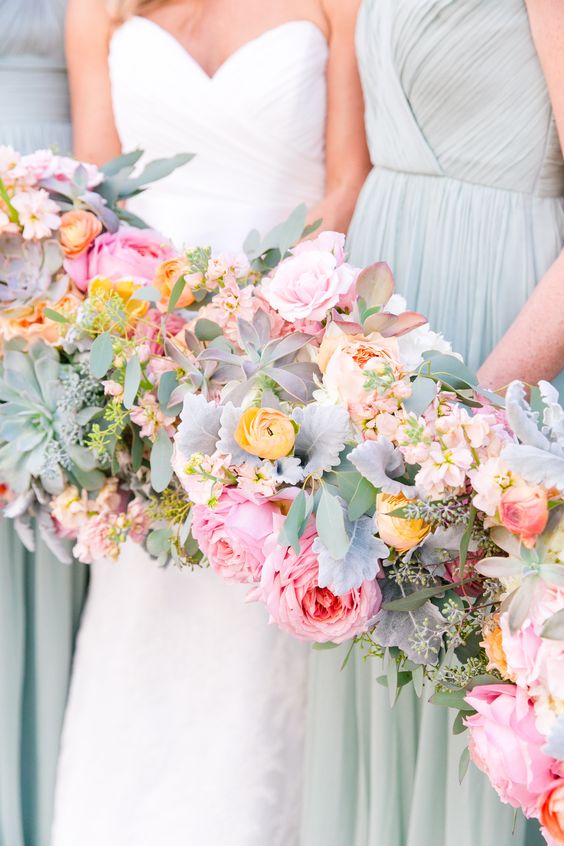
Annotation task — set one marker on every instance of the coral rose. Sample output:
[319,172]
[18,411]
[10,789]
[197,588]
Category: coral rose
[398,532]
[265,432]
[523,510]
[78,229]
[167,275]
[290,590]
[126,254]
[493,645]
[308,285]
[552,812]
[232,534]
[505,744]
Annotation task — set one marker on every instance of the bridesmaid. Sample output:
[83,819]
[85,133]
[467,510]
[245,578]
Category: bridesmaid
[464,109]
[40,598]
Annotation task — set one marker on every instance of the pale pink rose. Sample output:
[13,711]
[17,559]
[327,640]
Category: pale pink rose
[126,254]
[506,745]
[232,534]
[289,588]
[523,510]
[536,663]
[309,285]
[327,242]
[149,329]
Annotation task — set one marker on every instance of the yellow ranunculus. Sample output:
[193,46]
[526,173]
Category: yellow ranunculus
[399,533]
[265,432]
[124,288]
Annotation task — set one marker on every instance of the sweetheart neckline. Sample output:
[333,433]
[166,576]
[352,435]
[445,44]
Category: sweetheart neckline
[236,53]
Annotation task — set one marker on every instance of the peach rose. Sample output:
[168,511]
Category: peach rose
[124,288]
[265,432]
[523,510]
[167,275]
[493,644]
[32,322]
[78,229]
[552,812]
[398,532]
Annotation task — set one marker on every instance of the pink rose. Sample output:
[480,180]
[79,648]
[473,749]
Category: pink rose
[523,510]
[232,534]
[534,662]
[306,286]
[506,745]
[552,814]
[289,588]
[126,254]
[329,242]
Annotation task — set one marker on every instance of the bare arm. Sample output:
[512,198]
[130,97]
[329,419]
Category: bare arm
[88,29]
[533,347]
[348,162]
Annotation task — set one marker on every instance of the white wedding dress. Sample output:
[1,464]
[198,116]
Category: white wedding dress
[186,712]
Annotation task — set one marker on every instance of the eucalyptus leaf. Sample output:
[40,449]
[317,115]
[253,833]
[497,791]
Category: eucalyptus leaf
[294,524]
[101,355]
[161,462]
[132,381]
[207,330]
[463,765]
[176,293]
[148,294]
[331,526]
[423,392]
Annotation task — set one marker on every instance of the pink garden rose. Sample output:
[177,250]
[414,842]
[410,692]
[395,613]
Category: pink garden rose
[307,285]
[232,534]
[289,588]
[330,242]
[506,745]
[126,254]
[533,662]
[523,510]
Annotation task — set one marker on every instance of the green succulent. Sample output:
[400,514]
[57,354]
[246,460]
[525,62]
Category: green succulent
[45,411]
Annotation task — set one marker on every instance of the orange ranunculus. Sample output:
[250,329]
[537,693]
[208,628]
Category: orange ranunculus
[398,532]
[265,432]
[167,274]
[523,510]
[552,811]
[124,288]
[32,323]
[493,644]
[78,229]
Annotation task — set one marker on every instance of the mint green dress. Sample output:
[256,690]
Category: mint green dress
[40,598]
[465,202]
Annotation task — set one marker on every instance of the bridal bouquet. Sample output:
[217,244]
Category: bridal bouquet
[281,417]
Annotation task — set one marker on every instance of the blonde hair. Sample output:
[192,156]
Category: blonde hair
[120,10]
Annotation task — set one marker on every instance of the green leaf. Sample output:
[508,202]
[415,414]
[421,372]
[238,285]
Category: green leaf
[161,458]
[458,726]
[418,678]
[451,699]
[331,526]
[423,392]
[463,765]
[415,600]
[148,294]
[392,676]
[132,381]
[289,232]
[54,315]
[313,227]
[294,524]
[553,629]
[101,355]
[176,293]
[158,541]
[348,655]
[363,499]
[323,647]
[449,370]
[207,330]
[136,449]
[127,160]
[168,382]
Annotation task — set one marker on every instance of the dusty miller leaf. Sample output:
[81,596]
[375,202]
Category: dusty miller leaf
[408,629]
[535,465]
[323,433]
[381,463]
[230,416]
[360,562]
[199,429]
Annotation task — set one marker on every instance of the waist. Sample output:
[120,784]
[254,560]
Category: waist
[544,189]
[34,95]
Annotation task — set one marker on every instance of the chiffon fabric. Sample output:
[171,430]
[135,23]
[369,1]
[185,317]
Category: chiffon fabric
[40,598]
[465,202]
[185,722]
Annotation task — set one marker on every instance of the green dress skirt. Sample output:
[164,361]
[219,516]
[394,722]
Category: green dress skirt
[40,598]
[465,202]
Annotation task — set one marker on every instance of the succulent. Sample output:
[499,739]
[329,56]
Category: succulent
[45,412]
[27,269]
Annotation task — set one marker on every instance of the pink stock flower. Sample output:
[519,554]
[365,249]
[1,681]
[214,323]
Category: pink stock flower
[308,285]
[290,590]
[126,254]
[203,477]
[38,213]
[149,417]
[232,534]
[101,537]
[505,744]
[138,521]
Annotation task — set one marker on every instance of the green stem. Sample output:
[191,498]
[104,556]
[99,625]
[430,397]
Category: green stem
[12,213]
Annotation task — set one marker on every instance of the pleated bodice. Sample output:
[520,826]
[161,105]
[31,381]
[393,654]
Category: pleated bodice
[491,124]
[34,102]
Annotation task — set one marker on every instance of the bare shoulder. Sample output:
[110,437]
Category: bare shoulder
[341,14]
[88,20]
[547,26]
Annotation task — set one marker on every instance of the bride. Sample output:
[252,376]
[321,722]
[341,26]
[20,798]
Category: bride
[186,712]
